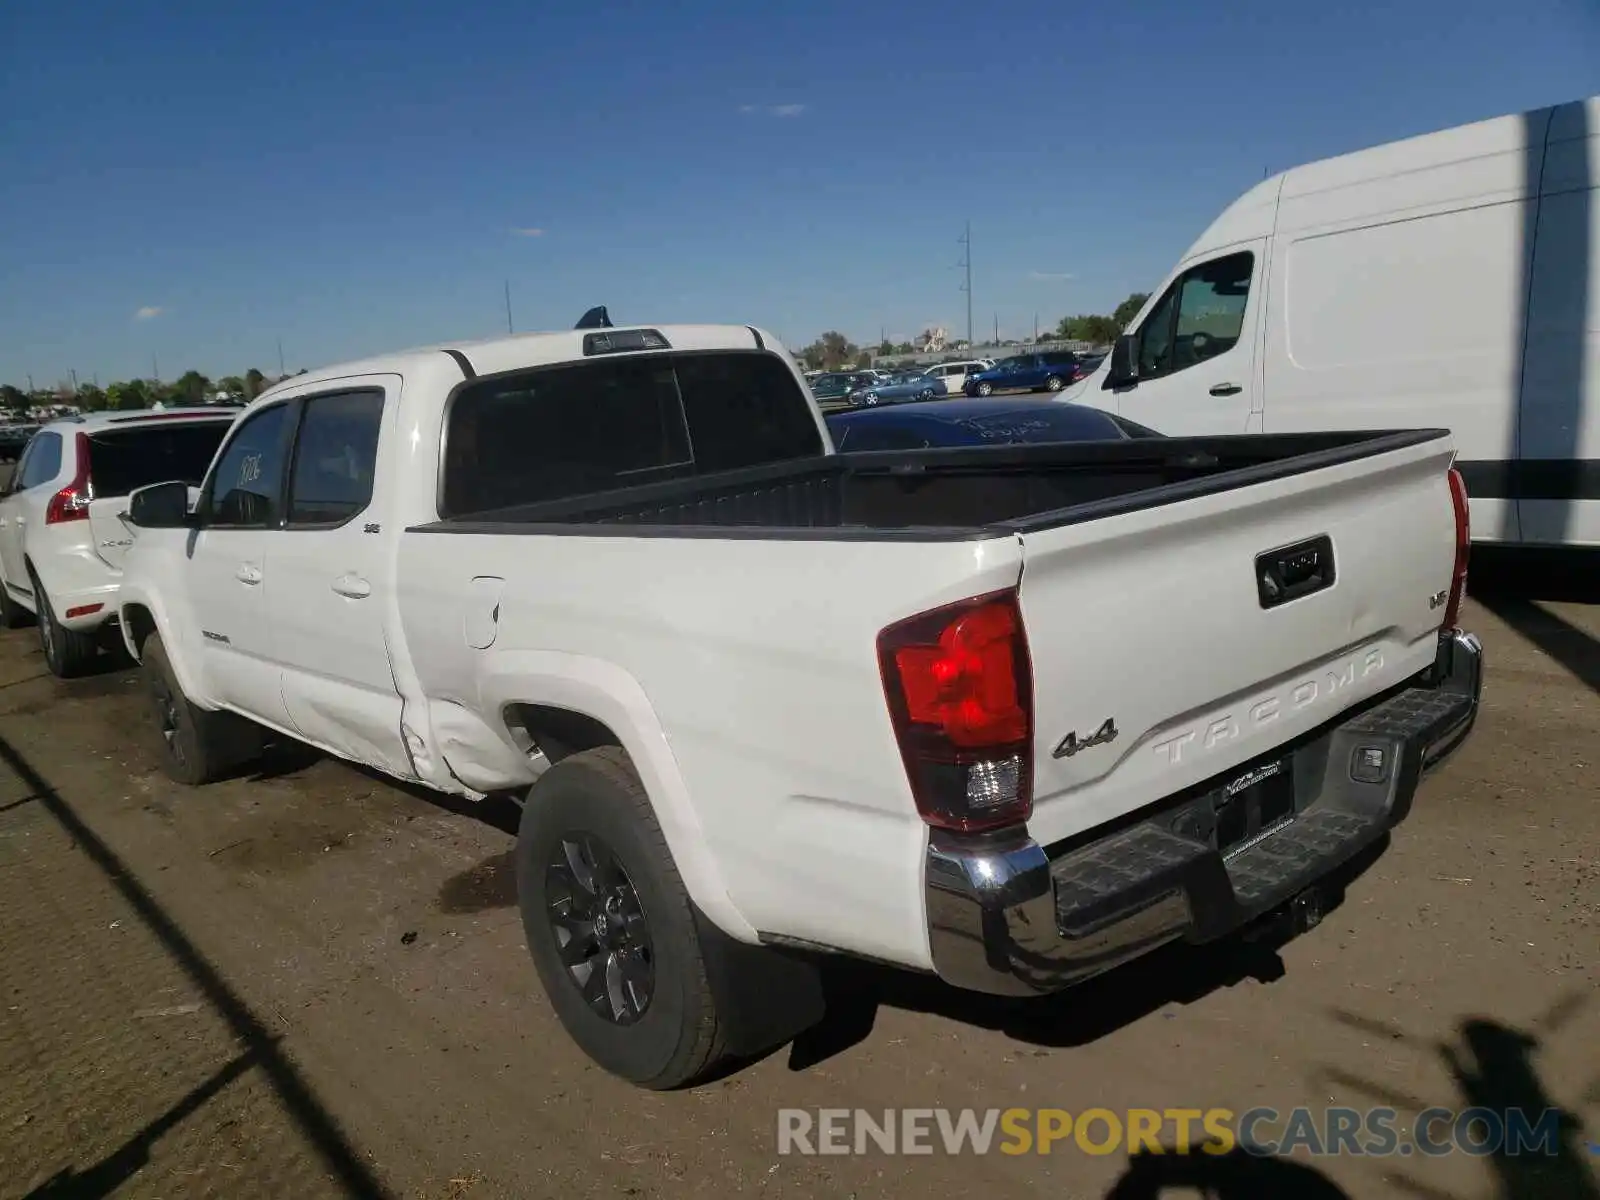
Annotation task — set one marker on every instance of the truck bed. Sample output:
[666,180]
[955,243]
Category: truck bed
[956,494]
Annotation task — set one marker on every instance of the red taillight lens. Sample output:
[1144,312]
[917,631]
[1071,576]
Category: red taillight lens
[960,693]
[1458,575]
[71,503]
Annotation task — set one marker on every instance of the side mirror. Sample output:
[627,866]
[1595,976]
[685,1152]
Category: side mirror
[1124,369]
[160,506]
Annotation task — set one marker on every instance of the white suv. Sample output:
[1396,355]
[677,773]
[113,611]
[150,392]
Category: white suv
[954,374]
[62,539]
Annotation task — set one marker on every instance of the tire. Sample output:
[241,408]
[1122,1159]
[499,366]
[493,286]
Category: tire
[67,652]
[195,746]
[590,811]
[12,614]
[986,389]
[1053,384]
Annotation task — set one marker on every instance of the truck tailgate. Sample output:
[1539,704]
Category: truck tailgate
[1153,624]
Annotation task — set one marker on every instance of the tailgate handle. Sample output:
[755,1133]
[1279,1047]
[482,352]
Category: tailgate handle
[1292,572]
[1226,389]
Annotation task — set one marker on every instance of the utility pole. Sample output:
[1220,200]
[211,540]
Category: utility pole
[30,383]
[997,329]
[74,374]
[155,368]
[966,263]
[509,329]
[1035,327]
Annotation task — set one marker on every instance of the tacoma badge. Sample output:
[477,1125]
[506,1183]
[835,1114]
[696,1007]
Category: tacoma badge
[1072,743]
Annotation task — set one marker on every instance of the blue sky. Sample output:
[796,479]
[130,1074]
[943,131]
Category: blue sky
[193,181]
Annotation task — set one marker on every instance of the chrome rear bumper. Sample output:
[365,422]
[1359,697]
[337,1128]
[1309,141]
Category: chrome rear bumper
[1006,919]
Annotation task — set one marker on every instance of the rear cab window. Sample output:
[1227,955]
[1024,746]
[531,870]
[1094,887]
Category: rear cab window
[552,432]
[123,460]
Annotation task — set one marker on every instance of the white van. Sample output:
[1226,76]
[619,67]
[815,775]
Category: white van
[1446,280]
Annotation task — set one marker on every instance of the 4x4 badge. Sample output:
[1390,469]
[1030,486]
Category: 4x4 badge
[1072,743]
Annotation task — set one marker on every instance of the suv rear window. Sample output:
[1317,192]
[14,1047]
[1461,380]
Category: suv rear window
[124,459]
[553,432]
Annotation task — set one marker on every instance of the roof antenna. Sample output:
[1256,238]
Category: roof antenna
[595,318]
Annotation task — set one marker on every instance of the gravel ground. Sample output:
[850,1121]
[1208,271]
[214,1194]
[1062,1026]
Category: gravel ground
[312,982]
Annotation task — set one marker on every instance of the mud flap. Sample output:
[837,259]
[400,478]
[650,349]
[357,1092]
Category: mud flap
[765,996]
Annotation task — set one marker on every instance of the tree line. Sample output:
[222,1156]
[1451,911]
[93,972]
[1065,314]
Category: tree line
[192,387]
[833,351]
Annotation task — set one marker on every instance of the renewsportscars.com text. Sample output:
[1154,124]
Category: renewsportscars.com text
[1377,1132]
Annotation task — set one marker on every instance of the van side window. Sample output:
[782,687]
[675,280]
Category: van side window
[1199,317]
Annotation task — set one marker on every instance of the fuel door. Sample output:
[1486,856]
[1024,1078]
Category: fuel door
[482,621]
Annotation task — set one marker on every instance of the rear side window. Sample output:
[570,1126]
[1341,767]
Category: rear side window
[585,427]
[335,458]
[126,459]
[42,462]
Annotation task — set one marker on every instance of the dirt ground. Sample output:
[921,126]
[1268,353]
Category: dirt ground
[312,983]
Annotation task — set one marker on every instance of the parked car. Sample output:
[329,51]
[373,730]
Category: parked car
[835,387]
[1041,371]
[765,700]
[62,537]
[953,375]
[1436,281]
[896,389]
[14,439]
[997,420]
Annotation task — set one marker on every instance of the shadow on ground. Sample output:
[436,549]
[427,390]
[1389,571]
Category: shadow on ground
[260,1048]
[1511,582]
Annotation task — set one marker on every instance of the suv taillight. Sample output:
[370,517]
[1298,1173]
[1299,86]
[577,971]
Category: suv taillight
[1458,574]
[71,503]
[960,691]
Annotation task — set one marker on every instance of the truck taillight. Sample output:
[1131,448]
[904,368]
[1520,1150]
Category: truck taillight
[71,503]
[1458,574]
[960,691]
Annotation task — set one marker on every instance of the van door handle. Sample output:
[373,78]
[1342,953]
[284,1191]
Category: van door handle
[1226,389]
[352,586]
[248,573]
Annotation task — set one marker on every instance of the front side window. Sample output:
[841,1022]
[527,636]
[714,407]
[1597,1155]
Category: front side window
[554,432]
[1199,317]
[1211,309]
[42,462]
[335,458]
[247,483]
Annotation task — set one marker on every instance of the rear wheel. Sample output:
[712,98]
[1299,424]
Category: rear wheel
[67,652]
[1053,384]
[610,926]
[195,746]
[12,614]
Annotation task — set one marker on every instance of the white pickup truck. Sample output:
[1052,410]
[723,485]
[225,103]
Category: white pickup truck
[1010,715]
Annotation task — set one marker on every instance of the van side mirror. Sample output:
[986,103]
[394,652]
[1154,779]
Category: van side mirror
[160,506]
[1124,369]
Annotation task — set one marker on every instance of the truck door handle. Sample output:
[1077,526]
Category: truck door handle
[248,573]
[1226,389]
[352,586]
